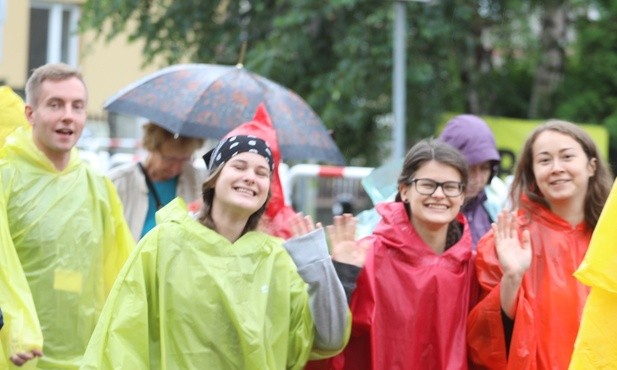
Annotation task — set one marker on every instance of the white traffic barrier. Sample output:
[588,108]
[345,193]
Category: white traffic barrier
[105,153]
[290,175]
[104,143]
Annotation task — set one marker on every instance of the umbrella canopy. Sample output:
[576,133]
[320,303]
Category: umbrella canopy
[208,101]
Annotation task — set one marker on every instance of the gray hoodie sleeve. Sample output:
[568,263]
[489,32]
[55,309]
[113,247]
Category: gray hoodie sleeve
[327,299]
[347,274]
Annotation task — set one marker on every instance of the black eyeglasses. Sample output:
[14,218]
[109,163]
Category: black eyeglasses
[428,187]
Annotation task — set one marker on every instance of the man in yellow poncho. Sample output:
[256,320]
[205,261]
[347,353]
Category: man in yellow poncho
[596,343]
[11,113]
[63,238]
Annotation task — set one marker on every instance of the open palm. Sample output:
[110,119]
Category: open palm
[303,224]
[345,248]
[514,253]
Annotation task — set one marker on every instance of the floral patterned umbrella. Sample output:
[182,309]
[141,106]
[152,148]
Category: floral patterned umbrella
[208,101]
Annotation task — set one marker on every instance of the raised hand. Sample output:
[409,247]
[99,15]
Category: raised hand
[514,254]
[514,257]
[301,224]
[342,234]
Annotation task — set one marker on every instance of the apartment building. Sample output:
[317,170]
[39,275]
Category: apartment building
[35,32]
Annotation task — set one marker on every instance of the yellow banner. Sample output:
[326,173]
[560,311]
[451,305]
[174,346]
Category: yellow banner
[511,133]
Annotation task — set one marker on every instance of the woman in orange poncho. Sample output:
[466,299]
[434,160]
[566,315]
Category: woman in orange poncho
[531,307]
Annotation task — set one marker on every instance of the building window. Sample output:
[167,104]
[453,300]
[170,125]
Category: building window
[53,34]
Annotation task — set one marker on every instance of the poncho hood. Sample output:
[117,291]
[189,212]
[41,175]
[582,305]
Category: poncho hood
[472,137]
[277,212]
[20,143]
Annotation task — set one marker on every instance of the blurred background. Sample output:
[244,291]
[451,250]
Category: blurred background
[380,74]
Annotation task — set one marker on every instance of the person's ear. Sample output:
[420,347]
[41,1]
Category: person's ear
[592,166]
[402,191]
[29,112]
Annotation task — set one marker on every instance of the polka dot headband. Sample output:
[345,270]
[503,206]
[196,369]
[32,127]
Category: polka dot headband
[234,145]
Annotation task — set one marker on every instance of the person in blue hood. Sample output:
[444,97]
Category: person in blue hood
[485,194]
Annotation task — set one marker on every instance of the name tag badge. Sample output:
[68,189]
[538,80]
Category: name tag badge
[68,281]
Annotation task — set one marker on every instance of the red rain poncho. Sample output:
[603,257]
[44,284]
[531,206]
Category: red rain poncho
[276,218]
[550,300]
[410,305]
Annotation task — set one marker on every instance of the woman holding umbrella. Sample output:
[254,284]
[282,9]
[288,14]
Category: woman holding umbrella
[216,293]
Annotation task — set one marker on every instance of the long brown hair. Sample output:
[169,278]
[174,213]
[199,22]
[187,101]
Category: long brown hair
[599,184]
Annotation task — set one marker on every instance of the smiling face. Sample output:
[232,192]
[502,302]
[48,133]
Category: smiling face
[243,184]
[436,210]
[561,168]
[58,117]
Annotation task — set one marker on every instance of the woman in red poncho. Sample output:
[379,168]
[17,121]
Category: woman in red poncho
[531,307]
[414,290]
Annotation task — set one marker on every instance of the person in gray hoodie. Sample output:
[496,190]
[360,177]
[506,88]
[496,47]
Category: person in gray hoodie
[474,139]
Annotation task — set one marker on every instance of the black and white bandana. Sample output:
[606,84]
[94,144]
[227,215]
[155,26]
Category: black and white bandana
[234,145]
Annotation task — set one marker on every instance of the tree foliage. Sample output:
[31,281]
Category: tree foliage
[589,91]
[476,56]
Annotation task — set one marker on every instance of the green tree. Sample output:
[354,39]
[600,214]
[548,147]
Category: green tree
[336,56]
[589,91]
[475,56]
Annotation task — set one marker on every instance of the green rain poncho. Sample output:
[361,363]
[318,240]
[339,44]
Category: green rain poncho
[190,299]
[63,240]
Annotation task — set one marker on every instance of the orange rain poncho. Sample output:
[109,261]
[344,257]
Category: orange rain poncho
[550,300]
[596,344]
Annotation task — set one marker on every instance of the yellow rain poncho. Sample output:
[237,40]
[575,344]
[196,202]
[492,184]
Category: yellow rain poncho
[63,241]
[11,113]
[190,299]
[596,343]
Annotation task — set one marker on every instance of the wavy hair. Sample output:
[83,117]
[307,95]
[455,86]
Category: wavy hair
[600,183]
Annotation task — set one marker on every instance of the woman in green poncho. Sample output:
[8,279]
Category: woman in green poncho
[214,293]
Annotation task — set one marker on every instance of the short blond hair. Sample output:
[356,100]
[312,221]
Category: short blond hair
[51,71]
